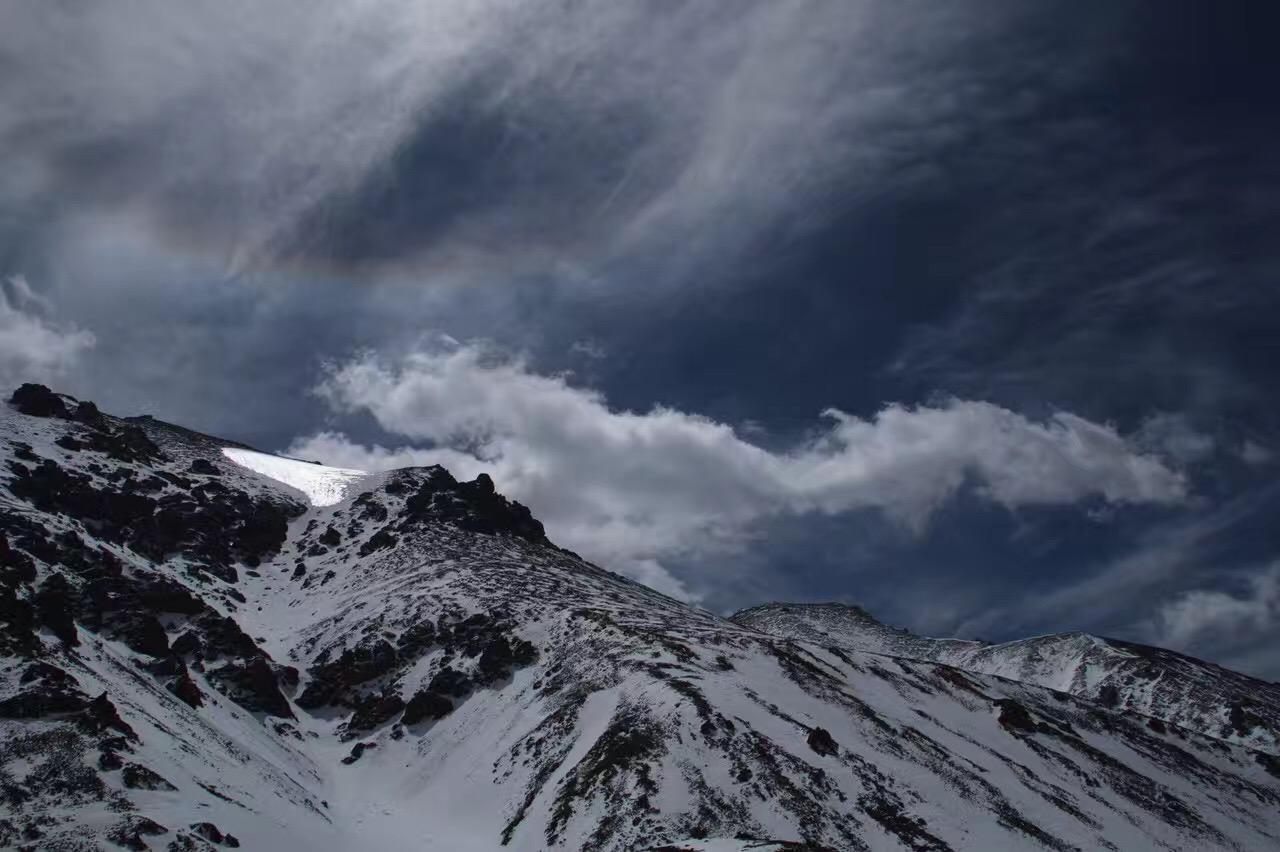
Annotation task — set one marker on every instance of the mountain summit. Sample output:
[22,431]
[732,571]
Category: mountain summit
[203,646]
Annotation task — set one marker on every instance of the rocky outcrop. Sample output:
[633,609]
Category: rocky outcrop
[474,506]
[253,684]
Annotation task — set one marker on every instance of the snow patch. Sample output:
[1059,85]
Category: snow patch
[323,486]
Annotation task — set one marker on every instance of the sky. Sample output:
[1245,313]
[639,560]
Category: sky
[963,312]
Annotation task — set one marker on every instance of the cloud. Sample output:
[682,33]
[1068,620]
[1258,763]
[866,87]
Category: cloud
[1237,625]
[1253,453]
[1173,435]
[490,167]
[1196,614]
[630,489]
[270,133]
[32,346]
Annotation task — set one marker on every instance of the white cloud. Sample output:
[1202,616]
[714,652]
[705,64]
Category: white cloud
[1173,435]
[630,489]
[32,346]
[1214,615]
[1253,453]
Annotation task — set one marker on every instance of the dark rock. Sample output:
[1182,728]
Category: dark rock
[378,541]
[187,644]
[160,594]
[223,637]
[496,659]
[15,567]
[38,401]
[130,831]
[186,690]
[288,675]
[23,452]
[356,751]
[450,681]
[426,704]
[253,686]
[330,537]
[42,671]
[143,633]
[87,413]
[138,777]
[369,508]
[472,506]
[170,664]
[203,466]
[46,700]
[417,638]
[102,715]
[374,711]
[330,681]
[1015,717]
[208,831]
[1240,720]
[109,761]
[55,609]
[820,741]
[18,639]
[69,443]
[129,444]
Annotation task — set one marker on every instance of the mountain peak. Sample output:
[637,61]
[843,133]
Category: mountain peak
[201,641]
[843,609]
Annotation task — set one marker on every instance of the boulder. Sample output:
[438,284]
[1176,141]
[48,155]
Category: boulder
[820,741]
[38,401]
[426,704]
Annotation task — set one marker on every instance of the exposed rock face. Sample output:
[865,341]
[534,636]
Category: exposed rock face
[472,506]
[820,741]
[425,705]
[187,648]
[38,401]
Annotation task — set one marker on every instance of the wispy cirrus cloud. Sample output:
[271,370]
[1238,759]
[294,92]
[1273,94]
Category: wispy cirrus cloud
[268,134]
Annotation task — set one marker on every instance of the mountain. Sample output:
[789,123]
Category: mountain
[204,647]
[1153,682]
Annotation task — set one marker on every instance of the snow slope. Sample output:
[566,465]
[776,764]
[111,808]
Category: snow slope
[1162,684]
[415,666]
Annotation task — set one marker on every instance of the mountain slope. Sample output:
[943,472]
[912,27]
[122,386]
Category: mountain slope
[193,649]
[1165,685]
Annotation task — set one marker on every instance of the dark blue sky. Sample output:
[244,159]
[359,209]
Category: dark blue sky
[490,233]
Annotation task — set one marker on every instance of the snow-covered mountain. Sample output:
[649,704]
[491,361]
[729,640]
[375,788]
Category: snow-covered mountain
[1154,682]
[202,646]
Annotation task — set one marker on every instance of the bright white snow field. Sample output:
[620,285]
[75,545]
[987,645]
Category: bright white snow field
[324,486]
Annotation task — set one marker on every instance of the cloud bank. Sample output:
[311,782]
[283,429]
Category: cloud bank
[631,489]
[33,347]
[1193,614]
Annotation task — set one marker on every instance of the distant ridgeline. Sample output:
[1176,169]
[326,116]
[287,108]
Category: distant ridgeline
[203,646]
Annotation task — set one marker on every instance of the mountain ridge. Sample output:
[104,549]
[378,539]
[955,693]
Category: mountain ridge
[193,651]
[1202,696]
